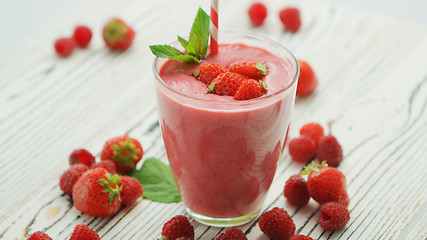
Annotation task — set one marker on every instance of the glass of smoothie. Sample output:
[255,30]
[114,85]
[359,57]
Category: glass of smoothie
[224,152]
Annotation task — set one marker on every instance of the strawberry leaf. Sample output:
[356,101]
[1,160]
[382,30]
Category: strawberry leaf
[157,181]
[262,68]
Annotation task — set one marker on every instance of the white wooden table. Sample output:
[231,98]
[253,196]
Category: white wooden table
[372,75]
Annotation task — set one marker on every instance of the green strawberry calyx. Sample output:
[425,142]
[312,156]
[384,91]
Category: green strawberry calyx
[125,153]
[263,69]
[115,31]
[314,168]
[111,186]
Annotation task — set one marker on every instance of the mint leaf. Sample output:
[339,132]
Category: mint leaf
[165,51]
[185,58]
[183,42]
[157,181]
[199,35]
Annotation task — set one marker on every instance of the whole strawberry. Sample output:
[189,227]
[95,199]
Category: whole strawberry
[124,151]
[178,227]
[250,89]
[307,81]
[226,83]
[118,35]
[329,150]
[277,224]
[254,70]
[333,216]
[131,190]
[326,184]
[97,193]
[207,72]
[83,232]
[70,177]
[39,236]
[296,191]
[232,234]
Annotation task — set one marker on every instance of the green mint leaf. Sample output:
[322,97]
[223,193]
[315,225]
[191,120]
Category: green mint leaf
[157,181]
[262,68]
[199,36]
[165,51]
[183,42]
[185,58]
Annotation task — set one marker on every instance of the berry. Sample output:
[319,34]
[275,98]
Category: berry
[39,236]
[312,130]
[326,184]
[333,216]
[97,193]
[302,149]
[70,177]
[83,232]
[296,191]
[118,35]
[301,237]
[257,13]
[255,70]
[307,81]
[81,156]
[226,83]
[329,150]
[277,224]
[131,190]
[64,47]
[250,89]
[178,227]
[232,234]
[207,72]
[82,36]
[291,19]
[124,151]
[108,165]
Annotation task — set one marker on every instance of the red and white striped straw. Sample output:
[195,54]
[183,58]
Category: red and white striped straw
[213,28]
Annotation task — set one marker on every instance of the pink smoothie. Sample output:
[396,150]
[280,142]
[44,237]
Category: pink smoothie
[224,152]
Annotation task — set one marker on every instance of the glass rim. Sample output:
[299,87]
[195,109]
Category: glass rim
[242,102]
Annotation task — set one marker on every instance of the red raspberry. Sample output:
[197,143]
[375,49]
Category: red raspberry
[302,149]
[277,224]
[118,35]
[250,89]
[312,130]
[178,227]
[291,19]
[257,13]
[81,156]
[132,190]
[108,165]
[334,216]
[307,81]
[70,177]
[207,72]
[301,237]
[39,236]
[64,47]
[226,83]
[82,36]
[232,234]
[296,191]
[329,150]
[83,232]
[255,70]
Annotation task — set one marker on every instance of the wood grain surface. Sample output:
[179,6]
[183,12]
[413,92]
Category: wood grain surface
[372,93]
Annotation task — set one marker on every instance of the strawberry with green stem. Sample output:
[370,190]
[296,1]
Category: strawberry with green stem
[124,151]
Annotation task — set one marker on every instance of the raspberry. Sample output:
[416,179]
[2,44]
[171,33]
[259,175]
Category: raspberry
[132,190]
[207,72]
[70,177]
[334,216]
[257,13]
[296,191]
[255,70]
[250,89]
[302,149]
[307,81]
[312,130]
[329,150]
[277,224]
[82,36]
[108,165]
[83,232]
[178,227]
[81,156]
[64,47]
[291,19]
[301,237]
[232,234]
[226,83]
[39,236]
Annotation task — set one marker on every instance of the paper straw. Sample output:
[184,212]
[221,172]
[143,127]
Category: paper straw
[213,28]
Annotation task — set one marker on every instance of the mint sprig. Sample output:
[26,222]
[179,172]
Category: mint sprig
[196,46]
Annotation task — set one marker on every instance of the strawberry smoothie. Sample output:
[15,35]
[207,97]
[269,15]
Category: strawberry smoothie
[223,152]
